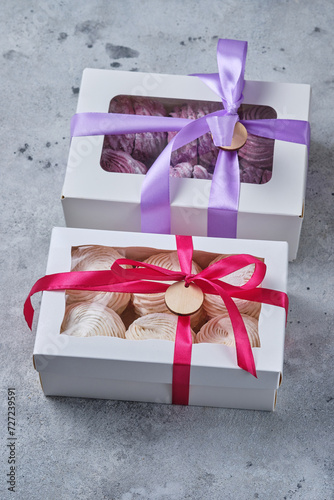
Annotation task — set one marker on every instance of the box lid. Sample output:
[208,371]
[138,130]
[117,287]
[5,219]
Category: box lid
[283,194]
[151,360]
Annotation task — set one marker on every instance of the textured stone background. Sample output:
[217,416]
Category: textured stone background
[73,448]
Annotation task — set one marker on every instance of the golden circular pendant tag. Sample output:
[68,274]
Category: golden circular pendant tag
[183,300]
[239,138]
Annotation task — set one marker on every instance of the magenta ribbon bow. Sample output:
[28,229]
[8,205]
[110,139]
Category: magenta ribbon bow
[228,84]
[147,278]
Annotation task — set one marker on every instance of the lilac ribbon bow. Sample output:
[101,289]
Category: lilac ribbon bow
[228,84]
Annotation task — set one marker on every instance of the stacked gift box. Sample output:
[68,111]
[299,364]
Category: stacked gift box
[157,154]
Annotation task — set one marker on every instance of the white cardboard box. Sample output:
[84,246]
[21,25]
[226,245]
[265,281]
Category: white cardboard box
[112,368]
[94,198]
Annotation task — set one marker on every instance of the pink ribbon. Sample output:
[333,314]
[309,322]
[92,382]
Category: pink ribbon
[140,279]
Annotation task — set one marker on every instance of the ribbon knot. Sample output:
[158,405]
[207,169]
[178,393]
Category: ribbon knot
[232,109]
[189,279]
[221,128]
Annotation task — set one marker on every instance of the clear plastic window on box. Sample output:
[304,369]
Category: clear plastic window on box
[135,153]
[138,316]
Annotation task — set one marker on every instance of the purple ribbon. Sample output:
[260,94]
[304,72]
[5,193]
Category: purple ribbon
[228,84]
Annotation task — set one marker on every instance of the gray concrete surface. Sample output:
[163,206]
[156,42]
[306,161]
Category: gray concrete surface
[72,448]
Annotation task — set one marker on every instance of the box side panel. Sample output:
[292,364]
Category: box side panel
[58,384]
[227,397]
[104,369]
[271,227]
[224,374]
[98,214]
[88,387]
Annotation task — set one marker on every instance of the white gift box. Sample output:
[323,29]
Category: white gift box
[113,368]
[94,198]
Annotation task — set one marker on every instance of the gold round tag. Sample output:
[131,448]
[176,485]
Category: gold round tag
[239,138]
[184,300]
